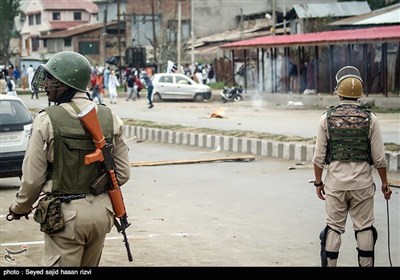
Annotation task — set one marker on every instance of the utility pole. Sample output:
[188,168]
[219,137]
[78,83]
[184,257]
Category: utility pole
[154,36]
[192,33]
[105,32]
[284,17]
[119,40]
[241,25]
[273,16]
[179,35]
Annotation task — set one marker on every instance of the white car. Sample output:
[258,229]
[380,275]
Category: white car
[15,129]
[176,86]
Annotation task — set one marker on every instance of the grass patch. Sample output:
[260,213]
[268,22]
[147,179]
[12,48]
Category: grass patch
[232,133]
[391,147]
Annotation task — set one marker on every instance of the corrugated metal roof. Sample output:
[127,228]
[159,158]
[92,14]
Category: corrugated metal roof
[340,9]
[363,35]
[257,29]
[86,5]
[391,17]
[77,30]
[385,15]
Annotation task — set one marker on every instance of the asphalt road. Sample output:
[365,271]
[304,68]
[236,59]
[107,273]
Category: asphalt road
[251,114]
[216,214]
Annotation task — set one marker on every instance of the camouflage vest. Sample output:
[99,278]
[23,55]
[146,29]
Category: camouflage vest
[348,127]
[72,143]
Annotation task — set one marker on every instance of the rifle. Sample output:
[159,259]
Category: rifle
[88,118]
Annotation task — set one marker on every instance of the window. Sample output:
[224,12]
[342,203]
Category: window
[35,44]
[30,19]
[45,43]
[77,15]
[89,48]
[56,16]
[38,19]
[172,30]
[14,112]
[166,79]
[182,81]
[67,42]
[142,28]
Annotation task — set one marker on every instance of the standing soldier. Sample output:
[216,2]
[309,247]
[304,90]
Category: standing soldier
[74,218]
[349,146]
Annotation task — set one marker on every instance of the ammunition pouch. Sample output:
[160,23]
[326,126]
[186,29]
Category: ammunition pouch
[100,185]
[48,214]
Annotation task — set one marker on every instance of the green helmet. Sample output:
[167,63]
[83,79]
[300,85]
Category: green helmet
[70,68]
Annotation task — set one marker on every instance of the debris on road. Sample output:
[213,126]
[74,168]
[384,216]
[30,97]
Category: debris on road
[218,114]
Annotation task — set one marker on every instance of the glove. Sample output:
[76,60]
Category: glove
[14,216]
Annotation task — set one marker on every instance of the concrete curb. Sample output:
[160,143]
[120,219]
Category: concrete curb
[290,151]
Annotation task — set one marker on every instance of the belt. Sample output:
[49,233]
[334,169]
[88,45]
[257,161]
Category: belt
[68,198]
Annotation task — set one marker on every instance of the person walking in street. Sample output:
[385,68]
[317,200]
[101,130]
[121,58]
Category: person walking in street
[11,88]
[17,76]
[130,87]
[24,77]
[113,83]
[149,85]
[349,147]
[31,72]
[138,86]
[106,78]
[74,218]
[100,86]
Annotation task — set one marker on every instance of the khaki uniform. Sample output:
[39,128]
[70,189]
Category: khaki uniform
[349,188]
[87,220]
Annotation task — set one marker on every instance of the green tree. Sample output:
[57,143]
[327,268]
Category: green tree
[9,9]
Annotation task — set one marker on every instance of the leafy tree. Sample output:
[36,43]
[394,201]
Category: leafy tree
[9,9]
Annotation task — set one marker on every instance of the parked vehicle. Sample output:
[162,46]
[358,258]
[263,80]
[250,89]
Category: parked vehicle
[15,128]
[175,86]
[231,94]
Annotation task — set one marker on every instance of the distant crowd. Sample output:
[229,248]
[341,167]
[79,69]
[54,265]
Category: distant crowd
[12,78]
[203,74]
[104,80]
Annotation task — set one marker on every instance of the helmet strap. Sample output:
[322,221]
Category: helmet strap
[66,96]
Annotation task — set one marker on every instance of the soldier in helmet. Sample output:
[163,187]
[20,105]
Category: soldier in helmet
[349,147]
[74,219]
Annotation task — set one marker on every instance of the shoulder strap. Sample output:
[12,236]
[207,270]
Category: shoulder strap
[330,110]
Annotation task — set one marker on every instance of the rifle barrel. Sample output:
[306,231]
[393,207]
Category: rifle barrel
[128,249]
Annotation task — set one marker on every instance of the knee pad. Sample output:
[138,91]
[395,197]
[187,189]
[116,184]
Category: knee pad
[367,253]
[326,254]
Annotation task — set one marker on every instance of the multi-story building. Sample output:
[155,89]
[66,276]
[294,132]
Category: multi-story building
[43,17]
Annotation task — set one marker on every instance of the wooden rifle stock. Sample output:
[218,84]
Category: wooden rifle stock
[88,118]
